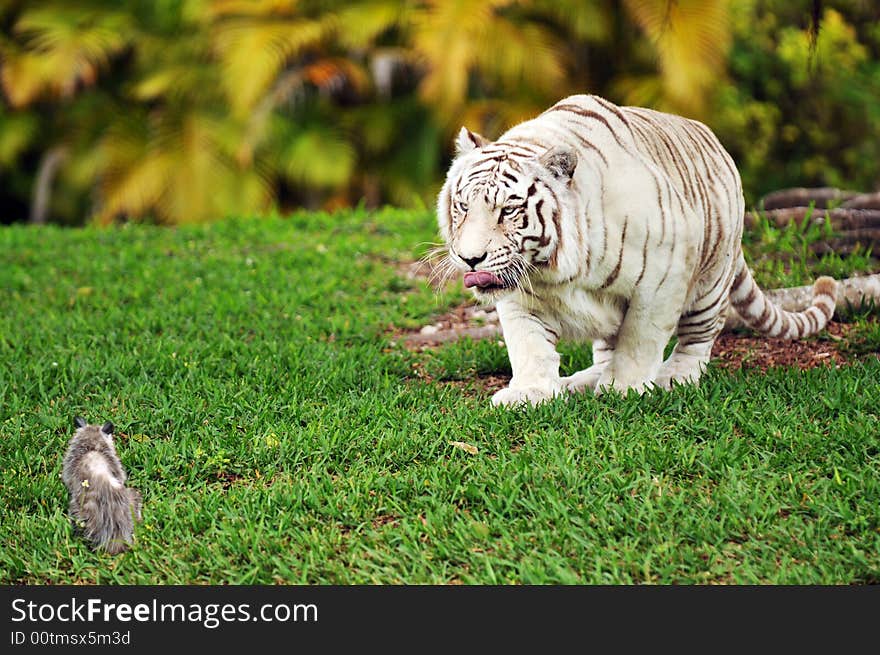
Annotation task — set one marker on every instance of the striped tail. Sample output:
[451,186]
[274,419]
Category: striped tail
[760,314]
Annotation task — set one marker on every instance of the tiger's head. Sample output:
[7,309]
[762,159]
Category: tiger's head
[501,209]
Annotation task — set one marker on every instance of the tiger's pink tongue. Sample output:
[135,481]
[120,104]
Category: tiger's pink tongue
[481,279]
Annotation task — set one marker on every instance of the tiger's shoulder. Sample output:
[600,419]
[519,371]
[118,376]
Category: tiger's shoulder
[628,126]
[625,114]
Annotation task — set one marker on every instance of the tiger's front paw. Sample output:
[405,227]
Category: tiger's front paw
[606,383]
[508,397]
[585,380]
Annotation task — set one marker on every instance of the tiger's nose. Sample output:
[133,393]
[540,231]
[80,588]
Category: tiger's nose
[473,261]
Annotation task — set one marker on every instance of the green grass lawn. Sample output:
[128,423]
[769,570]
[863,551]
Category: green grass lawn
[280,434]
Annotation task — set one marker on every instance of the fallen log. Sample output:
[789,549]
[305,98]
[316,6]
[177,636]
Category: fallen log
[803,197]
[863,201]
[848,242]
[841,218]
[851,292]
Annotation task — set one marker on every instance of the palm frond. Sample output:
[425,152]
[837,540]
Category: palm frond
[492,116]
[17,132]
[227,8]
[460,41]
[25,77]
[63,49]
[253,53]
[175,167]
[522,54]
[315,155]
[691,39]
[590,21]
[358,24]
[445,35]
[640,90]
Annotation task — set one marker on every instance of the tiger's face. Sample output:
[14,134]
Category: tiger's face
[500,212]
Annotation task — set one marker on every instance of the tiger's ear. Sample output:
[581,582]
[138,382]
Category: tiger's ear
[467,141]
[107,428]
[79,422]
[560,161]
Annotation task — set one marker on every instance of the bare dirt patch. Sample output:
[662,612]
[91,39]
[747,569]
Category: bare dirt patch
[732,351]
[463,321]
[480,384]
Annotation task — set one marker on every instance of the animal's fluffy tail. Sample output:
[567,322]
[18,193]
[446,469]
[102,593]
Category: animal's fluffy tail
[760,314]
[107,514]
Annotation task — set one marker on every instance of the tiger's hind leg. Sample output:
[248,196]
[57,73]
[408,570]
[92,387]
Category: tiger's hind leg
[587,379]
[696,332]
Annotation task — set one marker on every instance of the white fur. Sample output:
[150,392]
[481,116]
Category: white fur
[647,241]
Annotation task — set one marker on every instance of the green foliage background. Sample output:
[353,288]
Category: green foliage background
[190,110]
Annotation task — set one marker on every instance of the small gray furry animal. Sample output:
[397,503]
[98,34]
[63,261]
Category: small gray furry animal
[102,508]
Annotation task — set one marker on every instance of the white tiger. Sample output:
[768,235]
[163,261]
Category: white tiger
[616,225]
